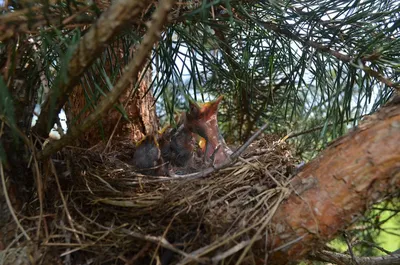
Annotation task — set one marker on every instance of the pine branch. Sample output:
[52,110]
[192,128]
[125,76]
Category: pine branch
[339,258]
[319,203]
[281,30]
[89,48]
[318,128]
[33,19]
[129,76]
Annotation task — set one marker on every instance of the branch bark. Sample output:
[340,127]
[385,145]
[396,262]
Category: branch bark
[130,76]
[329,256]
[89,47]
[333,190]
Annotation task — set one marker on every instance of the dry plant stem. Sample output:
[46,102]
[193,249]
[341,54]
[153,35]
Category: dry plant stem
[70,221]
[329,256]
[350,248]
[10,208]
[40,191]
[370,244]
[163,236]
[333,190]
[130,76]
[231,251]
[262,228]
[89,48]
[162,242]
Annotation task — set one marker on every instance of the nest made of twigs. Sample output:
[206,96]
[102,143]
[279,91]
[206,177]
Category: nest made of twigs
[107,213]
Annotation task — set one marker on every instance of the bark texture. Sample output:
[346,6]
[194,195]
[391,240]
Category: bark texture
[333,190]
[139,107]
[88,49]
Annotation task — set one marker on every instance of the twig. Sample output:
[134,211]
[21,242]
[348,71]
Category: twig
[370,244]
[70,221]
[350,249]
[289,243]
[239,151]
[128,77]
[141,253]
[40,191]
[230,251]
[164,235]
[339,258]
[161,241]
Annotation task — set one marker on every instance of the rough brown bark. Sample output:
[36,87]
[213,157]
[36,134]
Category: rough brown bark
[139,107]
[90,46]
[338,186]
[129,77]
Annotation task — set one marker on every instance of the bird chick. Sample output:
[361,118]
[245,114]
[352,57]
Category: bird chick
[202,120]
[176,144]
[147,157]
[182,146]
[164,140]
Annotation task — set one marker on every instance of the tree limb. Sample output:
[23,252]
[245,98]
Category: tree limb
[334,189]
[89,47]
[129,76]
[329,256]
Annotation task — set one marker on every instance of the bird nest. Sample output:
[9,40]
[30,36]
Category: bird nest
[107,213]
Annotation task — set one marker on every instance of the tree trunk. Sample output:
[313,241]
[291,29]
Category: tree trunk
[139,107]
[333,190]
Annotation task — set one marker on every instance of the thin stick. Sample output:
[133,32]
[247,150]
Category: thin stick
[40,191]
[161,241]
[239,151]
[70,221]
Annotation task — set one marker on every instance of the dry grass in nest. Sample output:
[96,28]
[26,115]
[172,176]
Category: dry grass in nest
[108,214]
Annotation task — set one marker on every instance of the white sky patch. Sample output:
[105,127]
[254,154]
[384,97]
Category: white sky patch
[53,133]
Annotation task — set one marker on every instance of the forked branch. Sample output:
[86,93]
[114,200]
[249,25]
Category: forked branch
[89,48]
[129,76]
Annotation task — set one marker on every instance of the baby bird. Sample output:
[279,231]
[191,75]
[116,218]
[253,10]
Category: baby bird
[182,146]
[147,157]
[202,120]
[177,144]
[164,140]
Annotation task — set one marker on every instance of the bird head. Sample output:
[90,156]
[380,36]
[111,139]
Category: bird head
[202,120]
